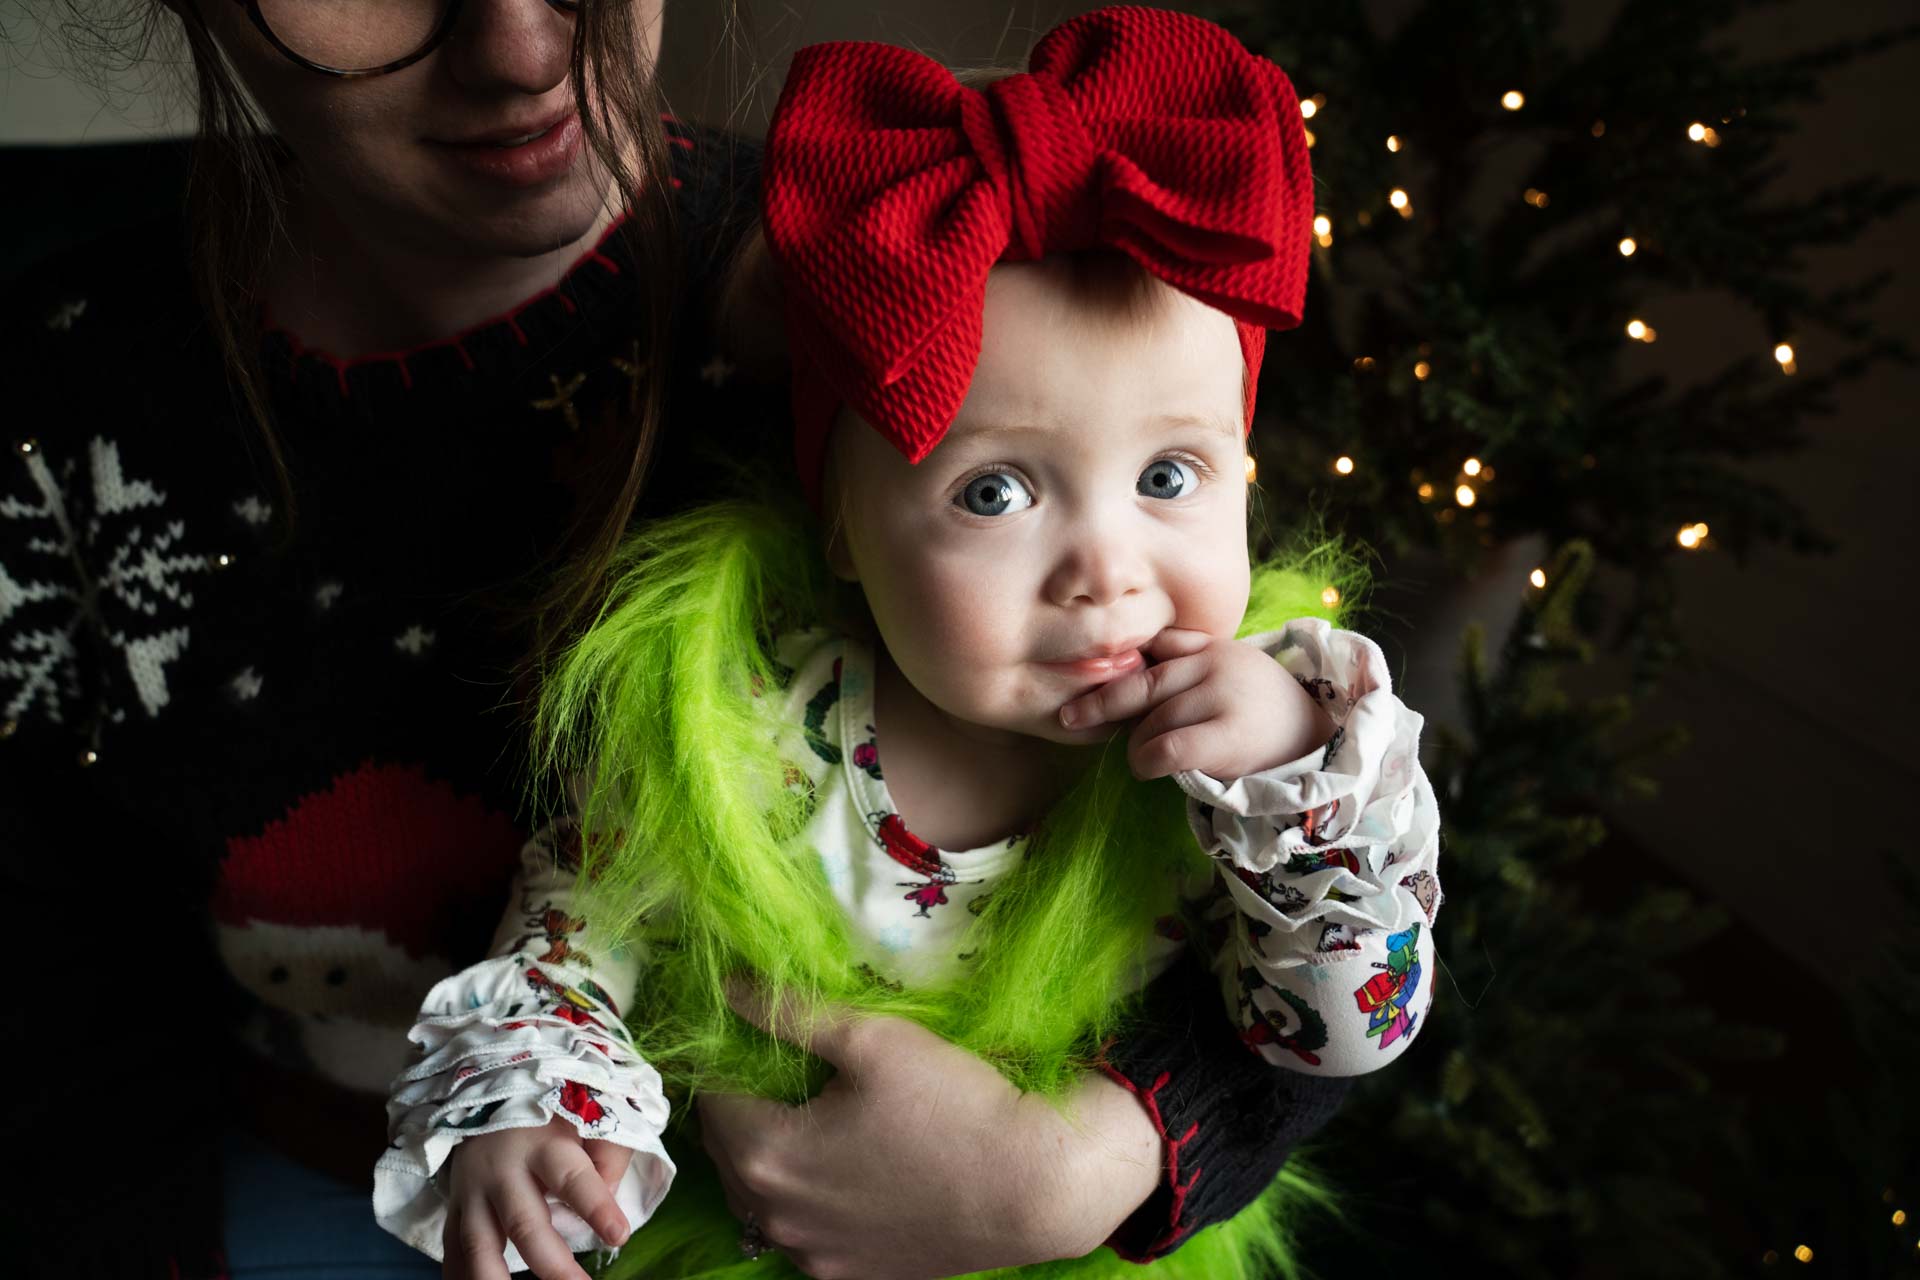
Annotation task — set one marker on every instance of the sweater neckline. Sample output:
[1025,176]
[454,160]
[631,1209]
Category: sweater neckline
[519,324]
[596,293]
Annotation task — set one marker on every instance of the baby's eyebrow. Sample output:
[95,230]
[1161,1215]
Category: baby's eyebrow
[973,429]
[1231,427]
[1212,423]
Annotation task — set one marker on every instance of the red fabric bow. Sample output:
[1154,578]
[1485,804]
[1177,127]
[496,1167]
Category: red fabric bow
[891,190]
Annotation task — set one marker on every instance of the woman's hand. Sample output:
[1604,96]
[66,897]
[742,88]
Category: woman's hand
[919,1160]
[497,1191]
[1221,707]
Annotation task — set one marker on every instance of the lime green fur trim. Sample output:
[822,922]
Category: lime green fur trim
[696,1238]
[693,845]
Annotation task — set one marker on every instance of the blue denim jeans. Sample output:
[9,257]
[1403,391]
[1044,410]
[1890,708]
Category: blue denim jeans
[284,1220]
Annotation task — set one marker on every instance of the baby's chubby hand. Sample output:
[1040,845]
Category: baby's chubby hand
[1219,706]
[497,1191]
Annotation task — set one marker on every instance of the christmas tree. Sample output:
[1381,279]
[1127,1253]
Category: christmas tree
[1495,211]
[1498,212]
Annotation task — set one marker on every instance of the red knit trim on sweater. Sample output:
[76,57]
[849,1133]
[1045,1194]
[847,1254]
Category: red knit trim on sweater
[457,341]
[1149,1099]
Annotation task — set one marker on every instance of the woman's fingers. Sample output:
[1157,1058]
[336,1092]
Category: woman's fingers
[827,1032]
[521,1210]
[566,1171]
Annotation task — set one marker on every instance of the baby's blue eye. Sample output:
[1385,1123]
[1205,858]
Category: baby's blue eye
[994,494]
[1165,478]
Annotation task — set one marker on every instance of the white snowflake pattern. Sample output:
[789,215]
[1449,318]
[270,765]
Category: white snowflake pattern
[253,510]
[145,574]
[63,315]
[415,640]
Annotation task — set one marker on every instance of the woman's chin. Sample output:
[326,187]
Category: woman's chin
[525,224]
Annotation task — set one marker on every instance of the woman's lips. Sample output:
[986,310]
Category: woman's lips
[532,163]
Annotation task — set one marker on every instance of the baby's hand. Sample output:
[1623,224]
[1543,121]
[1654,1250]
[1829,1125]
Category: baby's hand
[1222,707]
[497,1191]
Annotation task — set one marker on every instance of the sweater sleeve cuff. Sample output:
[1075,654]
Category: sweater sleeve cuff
[1227,1120]
[1157,1226]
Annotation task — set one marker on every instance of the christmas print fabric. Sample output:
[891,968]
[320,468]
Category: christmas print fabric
[1319,921]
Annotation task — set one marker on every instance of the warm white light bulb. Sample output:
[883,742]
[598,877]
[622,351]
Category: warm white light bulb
[1636,329]
[1322,224]
[1343,464]
[1538,578]
[1308,108]
[1471,466]
[1783,353]
[1393,142]
[1513,99]
[1627,246]
[1697,131]
[1465,495]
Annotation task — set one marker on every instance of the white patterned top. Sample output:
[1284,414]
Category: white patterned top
[1319,924]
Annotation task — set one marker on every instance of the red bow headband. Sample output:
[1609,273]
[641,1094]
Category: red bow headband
[891,190]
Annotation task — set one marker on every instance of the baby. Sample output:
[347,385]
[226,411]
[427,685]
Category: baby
[1026,324]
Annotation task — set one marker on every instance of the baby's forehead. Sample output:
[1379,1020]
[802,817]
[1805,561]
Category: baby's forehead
[997,428]
[1067,339]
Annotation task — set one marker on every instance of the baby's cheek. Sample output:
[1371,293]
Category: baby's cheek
[953,629]
[1210,588]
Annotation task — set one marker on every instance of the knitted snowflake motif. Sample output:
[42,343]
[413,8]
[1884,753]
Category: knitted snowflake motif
[103,558]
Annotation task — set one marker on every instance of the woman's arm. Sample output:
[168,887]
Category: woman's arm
[918,1159]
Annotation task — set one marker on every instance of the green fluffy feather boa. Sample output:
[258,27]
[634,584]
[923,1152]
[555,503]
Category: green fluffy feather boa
[693,852]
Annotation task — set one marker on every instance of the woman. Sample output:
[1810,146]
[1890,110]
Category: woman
[285,489]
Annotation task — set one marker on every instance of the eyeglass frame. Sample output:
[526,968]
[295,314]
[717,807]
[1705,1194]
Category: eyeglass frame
[434,40]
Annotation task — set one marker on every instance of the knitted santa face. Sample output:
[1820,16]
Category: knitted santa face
[1089,495]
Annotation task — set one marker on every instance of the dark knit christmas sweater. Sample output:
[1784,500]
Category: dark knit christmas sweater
[256,795]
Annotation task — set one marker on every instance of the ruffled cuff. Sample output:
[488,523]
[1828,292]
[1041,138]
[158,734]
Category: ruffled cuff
[508,1045]
[1362,787]
[1329,866]
[1330,836]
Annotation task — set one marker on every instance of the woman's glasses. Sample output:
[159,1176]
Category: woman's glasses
[360,37]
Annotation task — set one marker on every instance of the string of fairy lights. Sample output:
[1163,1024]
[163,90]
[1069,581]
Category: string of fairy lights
[1804,1253]
[1475,474]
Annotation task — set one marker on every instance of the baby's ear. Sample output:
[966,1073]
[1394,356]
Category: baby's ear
[839,558]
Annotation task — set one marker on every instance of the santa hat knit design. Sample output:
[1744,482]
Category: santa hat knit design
[386,848]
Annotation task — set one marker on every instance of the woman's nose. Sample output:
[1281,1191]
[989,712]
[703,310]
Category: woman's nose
[521,46]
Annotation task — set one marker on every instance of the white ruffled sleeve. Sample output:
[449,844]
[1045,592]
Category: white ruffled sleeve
[1328,863]
[532,1033]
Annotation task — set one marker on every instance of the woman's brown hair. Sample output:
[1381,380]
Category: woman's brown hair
[235,199]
